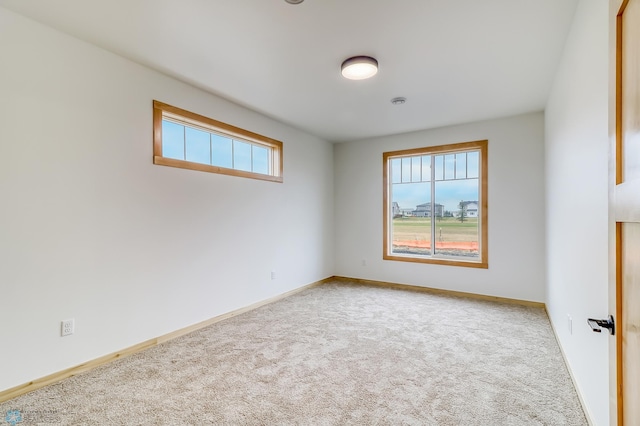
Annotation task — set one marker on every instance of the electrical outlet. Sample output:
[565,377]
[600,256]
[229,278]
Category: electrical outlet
[68,327]
[273,275]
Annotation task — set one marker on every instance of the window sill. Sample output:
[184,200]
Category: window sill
[181,164]
[439,261]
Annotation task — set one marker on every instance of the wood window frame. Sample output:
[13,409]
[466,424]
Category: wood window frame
[482,147]
[161,110]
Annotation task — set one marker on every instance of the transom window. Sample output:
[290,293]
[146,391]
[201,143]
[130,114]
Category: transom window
[187,140]
[435,205]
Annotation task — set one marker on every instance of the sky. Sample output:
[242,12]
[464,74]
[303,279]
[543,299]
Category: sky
[456,175]
[448,193]
[456,179]
[190,144]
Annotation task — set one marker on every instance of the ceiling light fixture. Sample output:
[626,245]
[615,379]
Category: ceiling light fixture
[294,1]
[399,100]
[359,67]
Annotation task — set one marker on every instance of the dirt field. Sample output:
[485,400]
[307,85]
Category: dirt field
[457,245]
[413,235]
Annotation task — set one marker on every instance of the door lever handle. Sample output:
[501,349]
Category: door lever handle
[608,323]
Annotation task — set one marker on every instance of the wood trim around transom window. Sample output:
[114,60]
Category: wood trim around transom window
[233,132]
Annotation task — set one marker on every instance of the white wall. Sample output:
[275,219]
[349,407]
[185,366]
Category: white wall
[90,229]
[516,210]
[576,169]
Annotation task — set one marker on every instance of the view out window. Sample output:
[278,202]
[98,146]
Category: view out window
[191,141]
[435,205]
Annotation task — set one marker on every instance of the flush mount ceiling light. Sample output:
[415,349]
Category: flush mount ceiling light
[294,1]
[399,100]
[359,67]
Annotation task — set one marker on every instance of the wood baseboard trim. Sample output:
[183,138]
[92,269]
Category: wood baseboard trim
[440,291]
[585,408]
[72,371]
[205,323]
[89,365]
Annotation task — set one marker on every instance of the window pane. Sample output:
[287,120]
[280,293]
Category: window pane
[457,232]
[450,166]
[461,166]
[439,160]
[411,223]
[437,219]
[396,171]
[260,159]
[473,164]
[221,151]
[426,168]
[190,141]
[406,169]
[198,148]
[241,156]
[416,169]
[172,140]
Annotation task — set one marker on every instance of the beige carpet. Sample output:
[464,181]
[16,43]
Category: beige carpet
[334,354]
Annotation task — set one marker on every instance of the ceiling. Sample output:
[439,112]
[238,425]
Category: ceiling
[455,61]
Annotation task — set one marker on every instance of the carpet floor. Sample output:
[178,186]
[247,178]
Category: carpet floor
[335,354]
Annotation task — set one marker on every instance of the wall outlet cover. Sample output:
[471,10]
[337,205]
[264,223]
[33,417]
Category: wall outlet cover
[68,327]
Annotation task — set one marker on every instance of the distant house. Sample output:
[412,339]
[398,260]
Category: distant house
[470,208]
[395,209]
[424,210]
[406,212]
[400,212]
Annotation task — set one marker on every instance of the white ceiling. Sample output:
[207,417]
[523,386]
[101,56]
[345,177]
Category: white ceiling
[454,60]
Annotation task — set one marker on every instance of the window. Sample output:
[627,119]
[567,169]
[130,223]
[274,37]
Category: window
[435,205]
[191,141]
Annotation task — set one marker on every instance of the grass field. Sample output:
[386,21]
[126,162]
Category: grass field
[447,229]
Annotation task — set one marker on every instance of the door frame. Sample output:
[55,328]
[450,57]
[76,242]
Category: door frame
[616,399]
